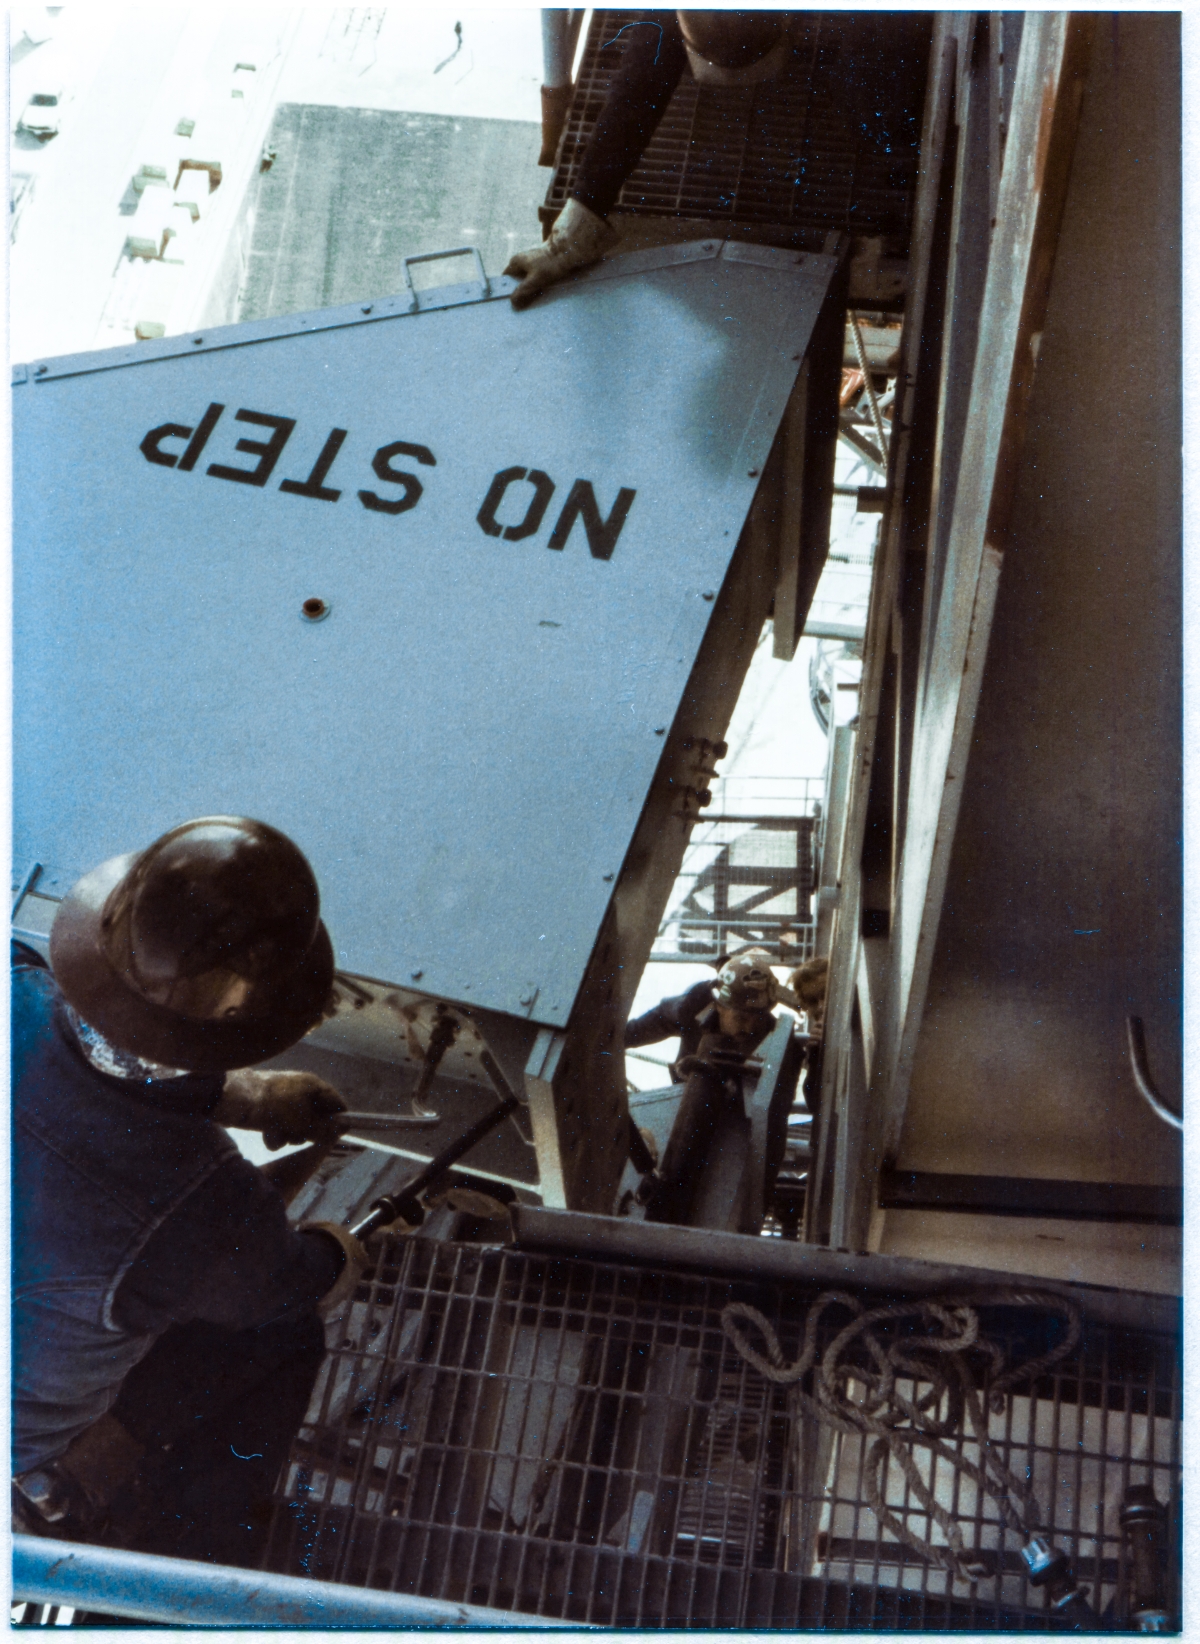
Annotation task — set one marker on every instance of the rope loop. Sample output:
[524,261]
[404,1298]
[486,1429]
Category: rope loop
[955,1404]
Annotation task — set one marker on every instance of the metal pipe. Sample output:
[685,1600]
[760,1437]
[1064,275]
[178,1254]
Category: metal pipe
[354,1120]
[1139,1061]
[560,34]
[1143,1519]
[28,880]
[178,1592]
[661,1245]
[445,1031]
[407,1203]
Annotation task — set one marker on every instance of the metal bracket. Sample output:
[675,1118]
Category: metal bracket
[864,447]
[435,297]
[25,885]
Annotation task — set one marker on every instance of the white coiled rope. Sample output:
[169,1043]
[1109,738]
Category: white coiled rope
[897,1423]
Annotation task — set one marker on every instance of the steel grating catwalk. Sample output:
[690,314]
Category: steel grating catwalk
[785,153]
[579,1439]
[746,881]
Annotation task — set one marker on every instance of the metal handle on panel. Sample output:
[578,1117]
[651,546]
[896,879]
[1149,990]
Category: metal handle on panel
[440,256]
[1139,1061]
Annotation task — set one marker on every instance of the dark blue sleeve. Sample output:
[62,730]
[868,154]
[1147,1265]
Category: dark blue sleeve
[652,57]
[668,1018]
[227,1255]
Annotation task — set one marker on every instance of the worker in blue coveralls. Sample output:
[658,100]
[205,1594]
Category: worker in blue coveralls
[166,1319]
[721,49]
[729,1019]
[738,1007]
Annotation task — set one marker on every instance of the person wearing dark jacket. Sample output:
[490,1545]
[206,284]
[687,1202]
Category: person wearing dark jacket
[739,1007]
[166,1317]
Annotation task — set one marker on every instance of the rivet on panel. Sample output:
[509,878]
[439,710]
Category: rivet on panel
[315,610]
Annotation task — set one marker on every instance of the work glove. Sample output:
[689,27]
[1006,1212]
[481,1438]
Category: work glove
[577,239]
[285,1107]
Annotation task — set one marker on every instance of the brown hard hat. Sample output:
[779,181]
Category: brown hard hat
[205,951]
[732,40]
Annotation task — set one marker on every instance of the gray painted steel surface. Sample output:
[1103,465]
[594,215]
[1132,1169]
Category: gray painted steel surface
[464,743]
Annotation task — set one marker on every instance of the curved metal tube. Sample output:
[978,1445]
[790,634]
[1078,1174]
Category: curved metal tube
[1140,1063]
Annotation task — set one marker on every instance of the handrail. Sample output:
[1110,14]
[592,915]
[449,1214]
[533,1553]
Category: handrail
[180,1592]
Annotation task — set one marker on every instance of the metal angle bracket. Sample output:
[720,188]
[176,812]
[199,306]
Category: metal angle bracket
[401,305]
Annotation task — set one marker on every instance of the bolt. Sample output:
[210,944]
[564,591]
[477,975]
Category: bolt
[367,307]
[752,473]
[41,370]
[709,596]
[660,730]
[196,341]
[608,878]
[417,975]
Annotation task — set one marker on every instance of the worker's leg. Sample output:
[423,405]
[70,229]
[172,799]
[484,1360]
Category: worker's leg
[654,58]
[216,1410]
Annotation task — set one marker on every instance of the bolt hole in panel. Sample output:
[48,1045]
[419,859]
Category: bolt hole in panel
[510,521]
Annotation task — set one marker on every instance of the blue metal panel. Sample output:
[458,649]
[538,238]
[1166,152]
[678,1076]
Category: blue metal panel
[463,745]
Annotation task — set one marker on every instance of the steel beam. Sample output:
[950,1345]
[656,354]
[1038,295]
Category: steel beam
[1038,152]
[840,862]
[1031,1196]
[662,1246]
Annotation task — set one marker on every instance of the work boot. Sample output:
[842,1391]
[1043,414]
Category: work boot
[577,239]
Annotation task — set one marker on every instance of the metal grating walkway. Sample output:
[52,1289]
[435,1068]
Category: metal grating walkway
[744,881]
[579,1439]
[786,153]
